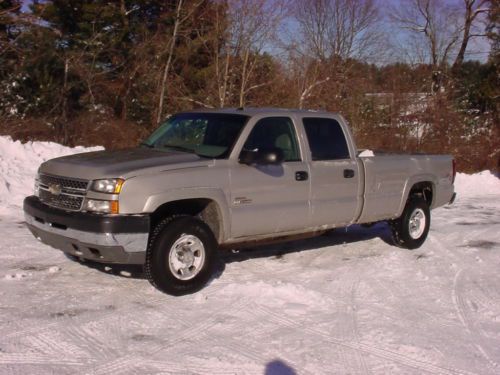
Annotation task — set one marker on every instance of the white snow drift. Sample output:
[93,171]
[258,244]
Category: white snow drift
[18,165]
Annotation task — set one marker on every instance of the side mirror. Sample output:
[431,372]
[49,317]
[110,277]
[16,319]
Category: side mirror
[262,156]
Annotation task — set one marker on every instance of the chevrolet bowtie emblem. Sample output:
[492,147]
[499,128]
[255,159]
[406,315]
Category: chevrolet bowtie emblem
[55,189]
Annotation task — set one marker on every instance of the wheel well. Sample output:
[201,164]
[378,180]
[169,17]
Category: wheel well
[423,190]
[204,208]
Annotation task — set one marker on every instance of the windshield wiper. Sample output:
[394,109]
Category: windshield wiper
[146,145]
[180,148]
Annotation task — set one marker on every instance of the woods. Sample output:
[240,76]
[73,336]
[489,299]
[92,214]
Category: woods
[407,75]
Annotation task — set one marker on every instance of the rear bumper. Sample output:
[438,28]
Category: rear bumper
[102,238]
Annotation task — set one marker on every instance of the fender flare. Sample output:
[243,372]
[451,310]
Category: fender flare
[214,194]
[410,183]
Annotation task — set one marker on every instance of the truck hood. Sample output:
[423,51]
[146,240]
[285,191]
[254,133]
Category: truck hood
[121,163]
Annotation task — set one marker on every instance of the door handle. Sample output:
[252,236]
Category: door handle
[348,173]
[301,176]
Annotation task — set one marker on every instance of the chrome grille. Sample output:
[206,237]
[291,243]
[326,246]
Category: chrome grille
[62,192]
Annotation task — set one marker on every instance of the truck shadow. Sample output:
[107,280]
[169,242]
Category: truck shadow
[130,271]
[340,236]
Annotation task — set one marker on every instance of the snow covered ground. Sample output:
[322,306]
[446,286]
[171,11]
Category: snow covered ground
[343,303]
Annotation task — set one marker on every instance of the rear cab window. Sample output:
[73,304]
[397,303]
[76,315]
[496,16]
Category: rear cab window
[326,139]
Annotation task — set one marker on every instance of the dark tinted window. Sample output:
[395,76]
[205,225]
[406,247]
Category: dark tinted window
[274,132]
[326,139]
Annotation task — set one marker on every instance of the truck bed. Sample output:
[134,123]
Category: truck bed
[389,177]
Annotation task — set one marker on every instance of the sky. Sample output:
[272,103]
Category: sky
[478,48]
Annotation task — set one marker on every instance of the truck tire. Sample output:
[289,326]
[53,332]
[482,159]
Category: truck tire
[181,255]
[411,229]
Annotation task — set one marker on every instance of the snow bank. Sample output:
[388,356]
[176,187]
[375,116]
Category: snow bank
[18,165]
[482,183]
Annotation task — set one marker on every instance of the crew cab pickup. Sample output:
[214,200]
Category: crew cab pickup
[207,180]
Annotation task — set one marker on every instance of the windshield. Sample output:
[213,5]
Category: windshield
[205,134]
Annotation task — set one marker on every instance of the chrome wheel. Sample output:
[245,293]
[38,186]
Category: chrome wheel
[186,257]
[417,223]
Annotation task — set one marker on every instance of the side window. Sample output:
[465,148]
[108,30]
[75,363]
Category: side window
[326,139]
[274,132]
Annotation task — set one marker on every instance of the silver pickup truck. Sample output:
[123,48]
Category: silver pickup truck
[206,180]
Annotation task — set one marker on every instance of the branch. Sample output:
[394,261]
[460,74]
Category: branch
[257,86]
[317,83]
[306,92]
[194,101]
[13,9]
[195,6]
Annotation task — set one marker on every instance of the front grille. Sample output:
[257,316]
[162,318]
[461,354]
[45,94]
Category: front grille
[62,192]
[65,183]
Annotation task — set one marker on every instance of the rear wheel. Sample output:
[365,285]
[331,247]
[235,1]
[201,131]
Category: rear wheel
[181,255]
[411,229]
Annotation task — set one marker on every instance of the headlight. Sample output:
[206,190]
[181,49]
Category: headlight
[110,185]
[105,207]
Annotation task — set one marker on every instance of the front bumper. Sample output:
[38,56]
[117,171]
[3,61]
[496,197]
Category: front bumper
[119,239]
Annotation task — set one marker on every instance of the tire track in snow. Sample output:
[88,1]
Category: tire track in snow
[476,335]
[86,318]
[36,359]
[387,354]
[355,327]
[463,311]
[81,339]
[125,364]
[47,345]
[88,341]
[175,367]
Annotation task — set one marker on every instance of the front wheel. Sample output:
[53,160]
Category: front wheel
[411,229]
[181,255]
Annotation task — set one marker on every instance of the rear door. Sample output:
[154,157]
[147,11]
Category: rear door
[268,199]
[335,174]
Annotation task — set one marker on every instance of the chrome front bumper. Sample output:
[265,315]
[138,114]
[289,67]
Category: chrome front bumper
[108,245]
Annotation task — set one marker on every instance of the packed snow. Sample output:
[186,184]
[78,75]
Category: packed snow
[366,154]
[345,302]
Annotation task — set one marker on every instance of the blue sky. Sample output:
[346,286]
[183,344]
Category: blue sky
[478,48]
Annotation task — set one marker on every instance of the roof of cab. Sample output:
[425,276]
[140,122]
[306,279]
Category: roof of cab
[252,111]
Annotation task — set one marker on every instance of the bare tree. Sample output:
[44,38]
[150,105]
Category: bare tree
[170,54]
[473,8]
[254,24]
[434,23]
[181,16]
[337,28]
[440,29]
[244,29]
[331,34]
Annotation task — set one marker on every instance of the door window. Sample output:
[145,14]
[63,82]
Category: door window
[274,132]
[326,139]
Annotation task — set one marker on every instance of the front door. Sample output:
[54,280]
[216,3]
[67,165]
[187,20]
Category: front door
[268,199]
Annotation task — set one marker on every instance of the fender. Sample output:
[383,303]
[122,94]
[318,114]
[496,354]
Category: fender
[214,194]
[410,183]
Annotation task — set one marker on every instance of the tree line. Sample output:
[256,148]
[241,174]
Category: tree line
[405,74]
